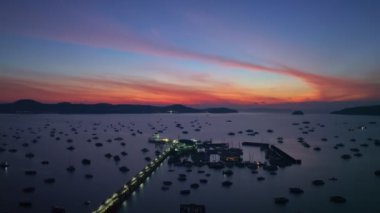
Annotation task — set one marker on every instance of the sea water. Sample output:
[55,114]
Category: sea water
[355,177]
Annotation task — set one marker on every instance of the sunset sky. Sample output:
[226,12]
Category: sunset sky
[194,52]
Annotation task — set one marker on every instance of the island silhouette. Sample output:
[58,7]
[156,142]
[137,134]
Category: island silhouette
[32,106]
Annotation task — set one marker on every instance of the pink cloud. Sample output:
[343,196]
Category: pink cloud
[95,30]
[56,88]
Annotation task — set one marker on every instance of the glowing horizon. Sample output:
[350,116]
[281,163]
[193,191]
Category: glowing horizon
[92,52]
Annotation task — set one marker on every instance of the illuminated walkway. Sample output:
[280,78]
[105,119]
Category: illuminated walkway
[113,203]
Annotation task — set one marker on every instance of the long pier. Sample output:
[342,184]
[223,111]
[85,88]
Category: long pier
[113,203]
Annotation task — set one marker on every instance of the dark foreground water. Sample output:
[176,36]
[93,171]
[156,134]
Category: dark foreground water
[47,138]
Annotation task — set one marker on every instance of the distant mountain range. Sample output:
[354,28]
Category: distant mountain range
[361,110]
[268,110]
[31,106]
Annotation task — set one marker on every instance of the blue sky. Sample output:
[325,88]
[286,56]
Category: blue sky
[193,52]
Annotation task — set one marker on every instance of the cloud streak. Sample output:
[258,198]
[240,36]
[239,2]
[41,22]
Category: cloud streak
[100,32]
[55,88]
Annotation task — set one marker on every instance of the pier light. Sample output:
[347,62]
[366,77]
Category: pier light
[100,208]
[142,177]
[133,181]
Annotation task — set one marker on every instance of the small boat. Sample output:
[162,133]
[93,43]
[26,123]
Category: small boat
[70,169]
[281,200]
[88,176]
[86,162]
[295,190]
[116,158]
[337,199]
[4,165]
[226,183]
[194,186]
[56,209]
[318,182]
[124,169]
[29,155]
[185,192]
[260,178]
[203,180]
[25,204]
[231,133]
[167,183]
[49,180]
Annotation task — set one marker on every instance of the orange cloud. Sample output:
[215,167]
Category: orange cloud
[329,88]
[57,88]
[99,32]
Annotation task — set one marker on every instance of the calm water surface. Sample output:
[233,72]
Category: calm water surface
[33,134]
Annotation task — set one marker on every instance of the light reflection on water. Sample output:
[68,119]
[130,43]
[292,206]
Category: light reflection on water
[356,181]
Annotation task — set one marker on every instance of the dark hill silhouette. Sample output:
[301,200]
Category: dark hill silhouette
[32,106]
[361,110]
